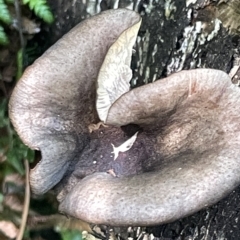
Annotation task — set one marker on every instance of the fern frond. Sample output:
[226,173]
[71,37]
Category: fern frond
[3,37]
[41,9]
[4,13]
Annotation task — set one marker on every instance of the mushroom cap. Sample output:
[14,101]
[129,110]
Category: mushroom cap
[54,101]
[147,104]
[194,118]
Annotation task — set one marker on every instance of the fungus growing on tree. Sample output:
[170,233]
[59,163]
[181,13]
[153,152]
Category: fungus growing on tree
[54,102]
[185,154]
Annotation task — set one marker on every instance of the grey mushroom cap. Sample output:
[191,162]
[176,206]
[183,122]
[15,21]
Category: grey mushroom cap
[194,118]
[54,101]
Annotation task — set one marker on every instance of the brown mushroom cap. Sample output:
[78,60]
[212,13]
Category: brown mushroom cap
[54,101]
[194,118]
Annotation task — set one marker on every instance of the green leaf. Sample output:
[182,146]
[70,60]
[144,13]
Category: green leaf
[17,152]
[4,13]
[13,160]
[19,63]
[1,198]
[25,1]
[3,37]
[41,9]
[4,121]
[6,169]
[71,235]
[10,144]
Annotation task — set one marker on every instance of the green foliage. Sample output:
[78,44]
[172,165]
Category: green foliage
[10,144]
[41,9]
[71,235]
[4,13]
[19,63]
[6,18]
[3,37]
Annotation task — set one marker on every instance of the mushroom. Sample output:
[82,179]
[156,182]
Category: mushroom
[185,152]
[193,117]
[54,102]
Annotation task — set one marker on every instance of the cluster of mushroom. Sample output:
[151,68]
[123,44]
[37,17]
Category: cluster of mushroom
[184,138]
